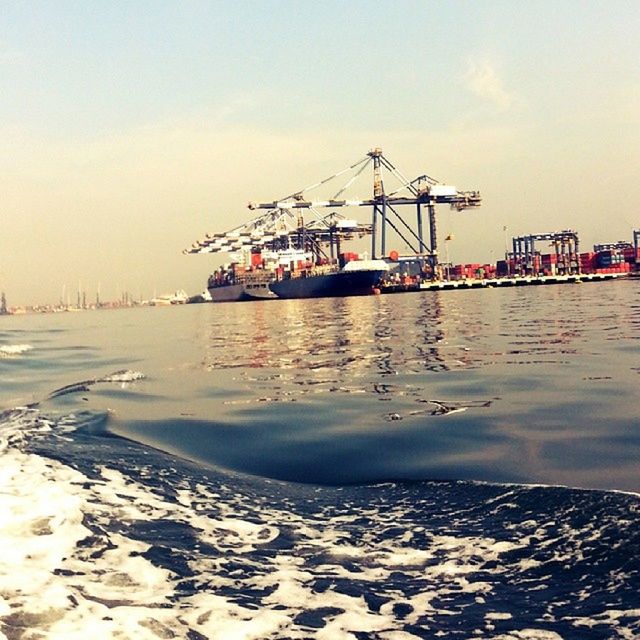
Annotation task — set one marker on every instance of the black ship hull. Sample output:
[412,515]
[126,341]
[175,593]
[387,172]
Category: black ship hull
[340,283]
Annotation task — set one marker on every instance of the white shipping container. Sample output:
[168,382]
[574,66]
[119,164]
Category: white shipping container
[443,190]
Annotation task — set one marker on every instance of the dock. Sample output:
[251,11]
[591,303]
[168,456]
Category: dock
[513,281]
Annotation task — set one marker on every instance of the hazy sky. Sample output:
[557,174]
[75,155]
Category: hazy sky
[130,129]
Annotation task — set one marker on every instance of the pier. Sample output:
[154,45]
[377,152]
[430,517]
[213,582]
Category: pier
[485,283]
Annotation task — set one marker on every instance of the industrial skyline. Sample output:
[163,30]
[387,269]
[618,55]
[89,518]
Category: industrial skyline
[128,130]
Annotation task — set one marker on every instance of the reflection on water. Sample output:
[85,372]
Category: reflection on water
[356,345]
[340,347]
[336,343]
[535,384]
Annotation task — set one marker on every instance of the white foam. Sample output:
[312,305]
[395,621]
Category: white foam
[611,618]
[497,615]
[42,519]
[123,376]
[67,573]
[49,580]
[214,617]
[529,634]
[9,350]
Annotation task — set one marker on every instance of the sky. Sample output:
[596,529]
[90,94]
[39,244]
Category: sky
[128,130]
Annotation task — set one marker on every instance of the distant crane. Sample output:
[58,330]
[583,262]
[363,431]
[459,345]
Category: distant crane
[565,244]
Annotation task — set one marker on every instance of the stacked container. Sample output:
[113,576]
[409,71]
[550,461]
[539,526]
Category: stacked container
[588,262]
[611,262]
[549,264]
[631,255]
[607,259]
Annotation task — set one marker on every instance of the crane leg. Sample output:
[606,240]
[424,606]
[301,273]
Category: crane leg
[433,235]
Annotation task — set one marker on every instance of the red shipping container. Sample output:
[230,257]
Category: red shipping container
[256,259]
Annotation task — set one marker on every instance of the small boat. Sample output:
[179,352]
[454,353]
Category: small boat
[179,297]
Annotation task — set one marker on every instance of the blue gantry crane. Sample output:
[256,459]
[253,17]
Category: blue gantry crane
[284,218]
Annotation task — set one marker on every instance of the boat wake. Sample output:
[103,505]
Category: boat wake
[103,537]
[125,377]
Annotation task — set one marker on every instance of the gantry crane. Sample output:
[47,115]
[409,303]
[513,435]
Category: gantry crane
[422,191]
[283,220]
[565,244]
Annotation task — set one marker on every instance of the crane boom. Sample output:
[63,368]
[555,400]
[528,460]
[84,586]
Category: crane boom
[278,221]
[459,200]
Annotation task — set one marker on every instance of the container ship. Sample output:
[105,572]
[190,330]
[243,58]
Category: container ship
[280,255]
[357,277]
[287,270]
[233,283]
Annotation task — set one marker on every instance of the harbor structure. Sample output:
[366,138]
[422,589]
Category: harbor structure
[563,260]
[419,193]
[527,265]
[296,248]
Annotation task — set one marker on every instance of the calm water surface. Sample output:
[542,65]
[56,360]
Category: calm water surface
[535,385]
[388,409]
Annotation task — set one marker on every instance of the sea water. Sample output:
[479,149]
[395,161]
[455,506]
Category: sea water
[458,464]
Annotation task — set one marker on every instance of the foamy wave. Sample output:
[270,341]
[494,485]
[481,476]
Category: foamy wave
[135,548]
[70,570]
[123,376]
[57,574]
[9,350]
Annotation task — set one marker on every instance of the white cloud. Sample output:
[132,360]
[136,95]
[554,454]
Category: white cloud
[483,80]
